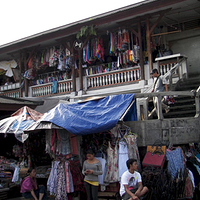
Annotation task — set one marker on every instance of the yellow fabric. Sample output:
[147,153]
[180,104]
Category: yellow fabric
[95,183]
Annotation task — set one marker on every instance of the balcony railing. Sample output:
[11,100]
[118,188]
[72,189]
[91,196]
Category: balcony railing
[11,90]
[11,93]
[46,89]
[113,78]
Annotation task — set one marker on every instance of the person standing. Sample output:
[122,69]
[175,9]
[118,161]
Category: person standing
[131,187]
[160,85]
[29,188]
[91,169]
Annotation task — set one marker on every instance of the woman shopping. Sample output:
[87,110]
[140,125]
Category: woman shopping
[29,188]
[91,169]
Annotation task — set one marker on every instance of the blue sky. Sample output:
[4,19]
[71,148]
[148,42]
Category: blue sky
[22,18]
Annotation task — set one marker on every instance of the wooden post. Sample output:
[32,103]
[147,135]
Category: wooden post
[20,72]
[148,35]
[159,107]
[141,52]
[73,71]
[80,70]
[25,79]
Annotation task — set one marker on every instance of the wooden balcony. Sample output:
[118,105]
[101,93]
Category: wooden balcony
[12,90]
[64,87]
[113,78]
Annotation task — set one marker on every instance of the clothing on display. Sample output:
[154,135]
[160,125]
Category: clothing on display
[133,151]
[112,174]
[123,157]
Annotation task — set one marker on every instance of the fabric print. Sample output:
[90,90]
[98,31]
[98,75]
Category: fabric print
[112,174]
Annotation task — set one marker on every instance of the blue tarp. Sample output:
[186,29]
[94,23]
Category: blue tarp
[90,117]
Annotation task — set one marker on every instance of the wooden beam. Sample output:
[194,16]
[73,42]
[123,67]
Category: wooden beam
[165,33]
[157,21]
[80,69]
[149,45]
[141,51]
[20,71]
[73,72]
[25,79]
[133,31]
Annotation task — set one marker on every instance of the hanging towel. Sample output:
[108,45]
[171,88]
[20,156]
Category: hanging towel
[54,87]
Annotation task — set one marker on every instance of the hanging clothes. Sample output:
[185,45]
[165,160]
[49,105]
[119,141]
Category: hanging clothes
[15,177]
[69,181]
[112,174]
[61,193]
[103,163]
[52,180]
[123,157]
[133,152]
[77,175]
[64,146]
[175,162]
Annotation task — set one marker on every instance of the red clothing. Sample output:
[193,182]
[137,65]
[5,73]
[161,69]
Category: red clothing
[28,184]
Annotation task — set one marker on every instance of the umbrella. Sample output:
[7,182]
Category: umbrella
[8,65]
[19,122]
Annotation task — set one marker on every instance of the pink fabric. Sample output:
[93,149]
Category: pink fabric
[53,137]
[28,184]
[28,113]
[67,178]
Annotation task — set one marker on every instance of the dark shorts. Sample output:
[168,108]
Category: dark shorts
[126,196]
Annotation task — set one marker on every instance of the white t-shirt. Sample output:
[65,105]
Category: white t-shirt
[129,179]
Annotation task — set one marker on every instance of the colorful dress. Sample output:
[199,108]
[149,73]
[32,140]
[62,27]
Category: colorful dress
[112,174]
[133,152]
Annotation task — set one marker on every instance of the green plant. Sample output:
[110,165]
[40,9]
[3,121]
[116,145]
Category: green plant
[85,31]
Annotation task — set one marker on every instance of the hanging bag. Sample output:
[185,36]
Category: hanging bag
[155,159]
[157,146]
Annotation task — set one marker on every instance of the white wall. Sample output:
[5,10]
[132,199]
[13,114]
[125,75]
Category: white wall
[188,44]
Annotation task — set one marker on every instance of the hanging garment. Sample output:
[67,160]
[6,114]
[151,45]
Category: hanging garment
[15,177]
[112,174]
[69,181]
[123,157]
[61,183]
[53,140]
[77,175]
[103,163]
[133,152]
[52,180]
[64,145]
[54,87]
[175,162]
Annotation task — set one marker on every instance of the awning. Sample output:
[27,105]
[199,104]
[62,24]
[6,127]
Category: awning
[19,122]
[90,117]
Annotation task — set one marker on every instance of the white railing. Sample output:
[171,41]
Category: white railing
[46,89]
[167,63]
[9,87]
[13,93]
[113,78]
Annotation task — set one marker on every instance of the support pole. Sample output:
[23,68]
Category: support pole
[80,69]
[73,72]
[25,79]
[20,72]
[148,35]
[141,51]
